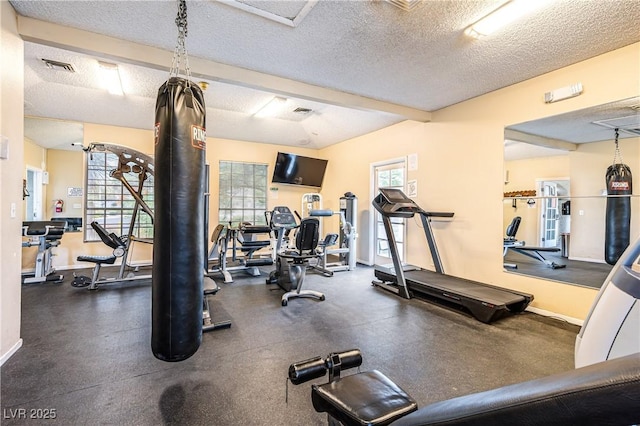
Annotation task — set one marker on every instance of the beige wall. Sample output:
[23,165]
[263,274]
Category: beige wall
[66,170]
[11,175]
[34,155]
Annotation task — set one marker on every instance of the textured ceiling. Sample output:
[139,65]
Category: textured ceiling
[419,59]
[577,127]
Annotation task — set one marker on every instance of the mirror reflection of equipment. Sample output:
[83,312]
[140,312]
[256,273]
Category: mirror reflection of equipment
[44,235]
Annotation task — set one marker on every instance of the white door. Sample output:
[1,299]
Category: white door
[550,215]
[389,175]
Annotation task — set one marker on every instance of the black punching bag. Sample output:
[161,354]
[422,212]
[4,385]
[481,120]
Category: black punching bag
[178,252]
[618,217]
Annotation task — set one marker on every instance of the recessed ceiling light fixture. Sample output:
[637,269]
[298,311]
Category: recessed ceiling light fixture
[503,16]
[272,108]
[111,78]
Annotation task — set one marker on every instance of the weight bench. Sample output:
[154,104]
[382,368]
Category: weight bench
[511,243]
[606,393]
[119,249]
[46,235]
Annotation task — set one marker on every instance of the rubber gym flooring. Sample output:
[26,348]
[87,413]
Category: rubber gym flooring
[86,355]
[585,274]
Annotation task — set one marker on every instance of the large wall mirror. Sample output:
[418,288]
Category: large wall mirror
[555,184]
[54,169]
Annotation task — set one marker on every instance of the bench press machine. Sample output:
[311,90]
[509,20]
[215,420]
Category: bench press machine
[511,243]
[45,235]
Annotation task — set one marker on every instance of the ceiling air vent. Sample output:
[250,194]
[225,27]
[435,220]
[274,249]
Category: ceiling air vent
[629,124]
[407,5]
[57,65]
[302,111]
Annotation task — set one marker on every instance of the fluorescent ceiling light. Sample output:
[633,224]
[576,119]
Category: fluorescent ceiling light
[502,16]
[111,78]
[272,108]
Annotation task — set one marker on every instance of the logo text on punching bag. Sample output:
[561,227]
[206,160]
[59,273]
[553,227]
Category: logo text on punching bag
[619,186]
[198,137]
[156,133]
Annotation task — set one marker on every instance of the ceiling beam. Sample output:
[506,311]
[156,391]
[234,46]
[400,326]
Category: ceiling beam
[515,135]
[86,42]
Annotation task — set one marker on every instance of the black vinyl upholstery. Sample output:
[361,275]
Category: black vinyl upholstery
[368,398]
[110,239]
[512,229]
[607,393]
[307,236]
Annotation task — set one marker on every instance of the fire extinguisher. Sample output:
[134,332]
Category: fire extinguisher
[59,206]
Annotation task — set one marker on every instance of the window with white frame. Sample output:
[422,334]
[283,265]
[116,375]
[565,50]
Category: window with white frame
[110,204]
[242,192]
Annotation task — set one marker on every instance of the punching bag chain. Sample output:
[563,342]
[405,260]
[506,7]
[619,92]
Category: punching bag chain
[617,156]
[180,52]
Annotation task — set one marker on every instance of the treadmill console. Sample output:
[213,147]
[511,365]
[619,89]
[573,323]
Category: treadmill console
[394,203]
[282,218]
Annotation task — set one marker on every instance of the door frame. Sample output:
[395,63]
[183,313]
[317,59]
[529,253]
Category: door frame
[372,195]
[540,182]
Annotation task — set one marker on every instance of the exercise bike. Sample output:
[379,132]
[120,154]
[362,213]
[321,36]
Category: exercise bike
[291,264]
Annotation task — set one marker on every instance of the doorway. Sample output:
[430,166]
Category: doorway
[389,174]
[33,207]
[552,223]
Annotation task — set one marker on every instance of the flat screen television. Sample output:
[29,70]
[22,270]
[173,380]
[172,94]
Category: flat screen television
[299,170]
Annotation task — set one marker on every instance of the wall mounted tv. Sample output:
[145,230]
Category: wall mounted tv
[298,170]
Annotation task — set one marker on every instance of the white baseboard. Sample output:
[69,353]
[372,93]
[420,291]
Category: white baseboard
[10,352]
[364,262]
[587,259]
[545,313]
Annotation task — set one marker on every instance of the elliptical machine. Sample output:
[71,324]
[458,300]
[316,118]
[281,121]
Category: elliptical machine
[291,264]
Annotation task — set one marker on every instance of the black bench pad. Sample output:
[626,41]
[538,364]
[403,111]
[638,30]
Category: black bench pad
[109,260]
[368,398]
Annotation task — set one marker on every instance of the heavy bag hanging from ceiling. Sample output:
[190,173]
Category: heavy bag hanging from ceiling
[618,216]
[178,252]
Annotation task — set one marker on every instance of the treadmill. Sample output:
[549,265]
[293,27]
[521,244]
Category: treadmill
[485,302]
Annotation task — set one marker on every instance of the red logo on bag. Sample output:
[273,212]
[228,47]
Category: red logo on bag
[198,137]
[619,186]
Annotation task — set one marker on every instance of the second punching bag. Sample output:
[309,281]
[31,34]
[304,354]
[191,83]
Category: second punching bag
[618,212]
[178,252]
